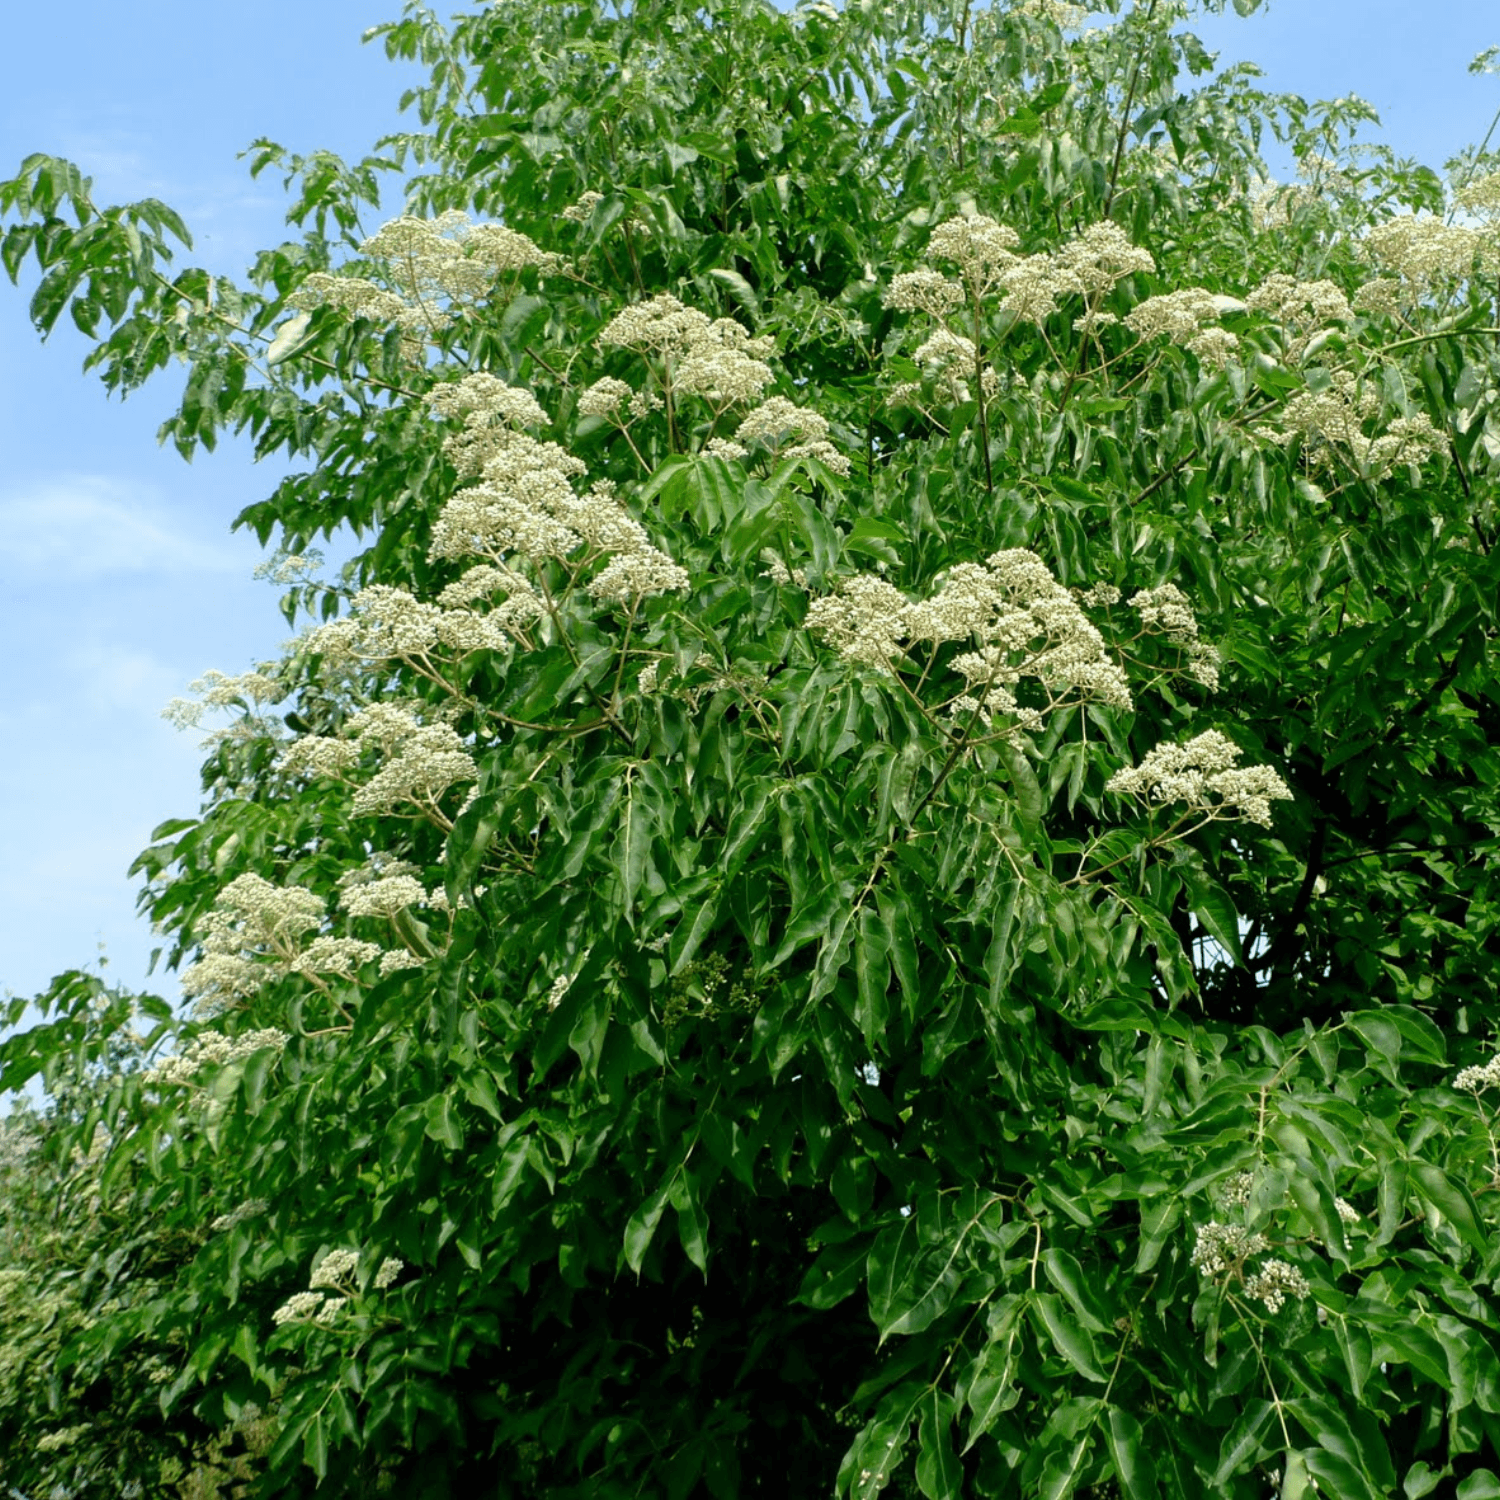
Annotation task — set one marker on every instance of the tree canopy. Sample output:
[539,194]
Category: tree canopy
[883,874]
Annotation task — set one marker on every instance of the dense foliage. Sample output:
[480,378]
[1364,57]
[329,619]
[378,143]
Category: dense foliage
[884,873]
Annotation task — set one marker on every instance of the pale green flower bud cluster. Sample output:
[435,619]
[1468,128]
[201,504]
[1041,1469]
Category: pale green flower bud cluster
[1201,774]
[62,1437]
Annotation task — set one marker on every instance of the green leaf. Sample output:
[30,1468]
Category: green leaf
[642,1226]
[691,1227]
[1133,1468]
[939,1473]
[1452,1200]
[1068,1336]
[443,1123]
[1243,1443]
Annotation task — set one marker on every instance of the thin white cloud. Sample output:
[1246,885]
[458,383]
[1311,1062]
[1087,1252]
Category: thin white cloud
[86,526]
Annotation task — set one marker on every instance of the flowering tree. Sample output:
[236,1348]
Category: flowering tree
[883,875]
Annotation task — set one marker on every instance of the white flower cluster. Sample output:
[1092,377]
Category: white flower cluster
[1347,1212]
[1059,12]
[1175,315]
[1032,286]
[308,1307]
[603,397]
[1274,1282]
[336,1269]
[1220,1248]
[1166,609]
[381,889]
[1479,1076]
[389,624]
[582,211]
[790,431]
[1292,301]
[715,358]
[1383,297]
[257,932]
[525,504]
[251,1208]
[1424,251]
[213,1049]
[1234,1191]
[215,690]
[1201,773]
[417,762]
[560,987]
[428,263]
[1335,418]
[1023,623]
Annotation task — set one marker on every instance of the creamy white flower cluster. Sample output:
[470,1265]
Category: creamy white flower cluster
[1022,622]
[1030,286]
[1424,251]
[389,624]
[251,1208]
[524,504]
[1479,1076]
[1189,317]
[1167,610]
[428,262]
[1201,773]
[787,430]
[258,932]
[1274,1282]
[583,210]
[715,358]
[338,1272]
[213,1049]
[1221,1250]
[1292,301]
[416,762]
[1059,12]
[216,690]
[1335,417]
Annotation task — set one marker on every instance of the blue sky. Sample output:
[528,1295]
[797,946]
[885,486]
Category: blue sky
[120,580]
